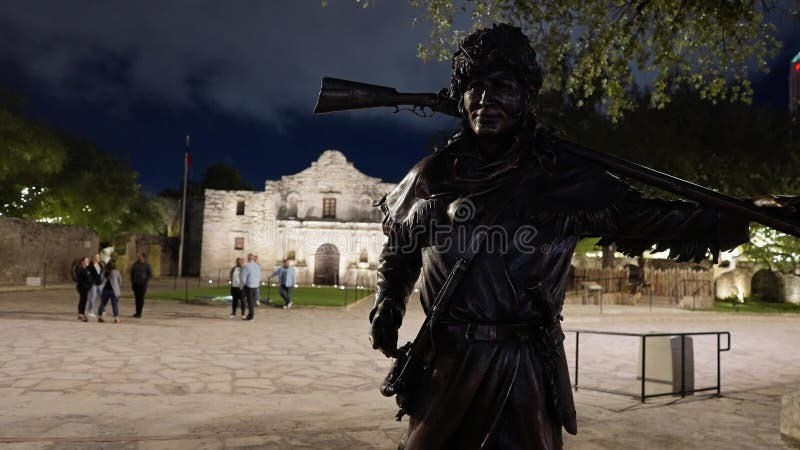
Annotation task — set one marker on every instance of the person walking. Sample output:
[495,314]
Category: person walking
[258,289]
[111,289]
[236,288]
[96,271]
[140,276]
[251,280]
[286,281]
[83,282]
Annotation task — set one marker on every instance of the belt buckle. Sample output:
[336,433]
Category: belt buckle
[468,335]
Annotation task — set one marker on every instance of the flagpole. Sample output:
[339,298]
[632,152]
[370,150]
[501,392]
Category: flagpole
[183,206]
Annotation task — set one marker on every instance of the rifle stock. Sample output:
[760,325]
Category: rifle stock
[342,95]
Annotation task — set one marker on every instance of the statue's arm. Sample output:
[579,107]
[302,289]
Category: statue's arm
[690,232]
[399,267]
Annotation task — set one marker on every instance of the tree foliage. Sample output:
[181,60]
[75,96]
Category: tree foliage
[224,177]
[773,249]
[30,152]
[52,177]
[597,49]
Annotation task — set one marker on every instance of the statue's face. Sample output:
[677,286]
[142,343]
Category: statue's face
[492,104]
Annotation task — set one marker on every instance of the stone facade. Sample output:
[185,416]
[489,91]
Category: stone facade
[33,249]
[321,218]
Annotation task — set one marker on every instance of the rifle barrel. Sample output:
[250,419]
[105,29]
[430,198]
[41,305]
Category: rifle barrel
[340,95]
[690,191]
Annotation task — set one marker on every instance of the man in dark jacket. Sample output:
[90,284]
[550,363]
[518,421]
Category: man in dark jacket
[490,382]
[140,276]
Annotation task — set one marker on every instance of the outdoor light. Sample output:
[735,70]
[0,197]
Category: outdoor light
[797,67]
[312,284]
[210,282]
[273,284]
[295,285]
[341,287]
[416,289]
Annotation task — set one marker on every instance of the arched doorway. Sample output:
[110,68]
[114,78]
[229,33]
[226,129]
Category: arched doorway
[326,265]
[766,286]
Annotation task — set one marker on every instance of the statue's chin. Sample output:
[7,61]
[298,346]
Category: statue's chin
[489,133]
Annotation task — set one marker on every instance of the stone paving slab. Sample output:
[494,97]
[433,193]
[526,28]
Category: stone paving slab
[186,376]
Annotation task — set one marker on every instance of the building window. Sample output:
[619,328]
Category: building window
[363,257]
[238,243]
[240,208]
[290,255]
[329,208]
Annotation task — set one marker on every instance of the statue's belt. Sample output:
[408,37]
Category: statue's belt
[495,332]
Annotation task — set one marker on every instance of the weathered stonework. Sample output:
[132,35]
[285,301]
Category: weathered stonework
[288,220]
[33,249]
[790,418]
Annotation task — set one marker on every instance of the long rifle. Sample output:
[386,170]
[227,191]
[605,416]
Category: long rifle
[342,95]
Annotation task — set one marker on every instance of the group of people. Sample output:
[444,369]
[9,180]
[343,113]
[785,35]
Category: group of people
[246,280]
[95,279]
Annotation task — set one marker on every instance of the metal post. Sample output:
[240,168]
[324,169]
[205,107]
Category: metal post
[183,206]
[186,289]
[219,275]
[577,345]
[719,371]
[683,368]
[601,302]
[44,275]
[644,363]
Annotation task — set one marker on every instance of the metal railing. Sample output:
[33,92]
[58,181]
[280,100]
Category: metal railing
[643,336]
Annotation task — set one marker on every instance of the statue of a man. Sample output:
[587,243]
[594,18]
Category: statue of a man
[490,381]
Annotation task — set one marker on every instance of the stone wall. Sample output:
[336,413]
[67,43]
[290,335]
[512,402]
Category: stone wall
[285,221]
[161,251]
[300,196]
[33,249]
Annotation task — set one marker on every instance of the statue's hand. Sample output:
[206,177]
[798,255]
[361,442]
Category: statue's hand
[383,334]
[784,206]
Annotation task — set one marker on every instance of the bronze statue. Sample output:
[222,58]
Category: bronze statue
[491,222]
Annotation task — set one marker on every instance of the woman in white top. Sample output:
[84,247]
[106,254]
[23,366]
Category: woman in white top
[96,269]
[236,287]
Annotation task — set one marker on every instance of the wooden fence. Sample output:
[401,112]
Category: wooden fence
[675,283]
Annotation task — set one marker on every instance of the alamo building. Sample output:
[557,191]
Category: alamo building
[321,218]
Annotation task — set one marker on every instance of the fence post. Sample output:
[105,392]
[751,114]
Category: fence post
[719,380]
[577,346]
[644,363]
[44,275]
[683,369]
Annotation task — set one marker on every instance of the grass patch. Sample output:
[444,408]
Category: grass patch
[317,296]
[756,307]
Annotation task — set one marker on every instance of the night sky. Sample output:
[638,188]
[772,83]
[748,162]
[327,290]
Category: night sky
[240,77]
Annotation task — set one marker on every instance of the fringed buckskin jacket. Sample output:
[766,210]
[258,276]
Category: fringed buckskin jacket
[491,394]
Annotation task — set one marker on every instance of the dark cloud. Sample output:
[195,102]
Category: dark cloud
[253,58]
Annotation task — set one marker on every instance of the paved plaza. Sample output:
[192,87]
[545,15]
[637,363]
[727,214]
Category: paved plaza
[187,376]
